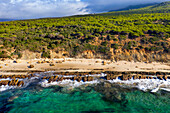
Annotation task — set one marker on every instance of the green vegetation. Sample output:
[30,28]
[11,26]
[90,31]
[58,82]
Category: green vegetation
[118,30]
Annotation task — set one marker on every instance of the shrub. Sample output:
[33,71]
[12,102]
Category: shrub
[115,46]
[45,54]
[104,43]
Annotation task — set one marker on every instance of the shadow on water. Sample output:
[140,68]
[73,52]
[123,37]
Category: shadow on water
[108,110]
[112,92]
[5,104]
[6,107]
[56,89]
[34,86]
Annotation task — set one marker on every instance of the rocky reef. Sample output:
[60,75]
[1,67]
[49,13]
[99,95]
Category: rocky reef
[56,78]
[13,82]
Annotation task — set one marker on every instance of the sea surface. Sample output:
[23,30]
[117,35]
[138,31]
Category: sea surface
[91,99]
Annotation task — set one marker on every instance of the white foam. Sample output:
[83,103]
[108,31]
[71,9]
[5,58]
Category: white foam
[26,83]
[145,84]
[69,83]
[166,89]
[5,79]
[97,75]
[6,87]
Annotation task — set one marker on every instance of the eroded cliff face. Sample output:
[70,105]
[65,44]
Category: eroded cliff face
[139,56]
[30,55]
[114,55]
[128,55]
[35,55]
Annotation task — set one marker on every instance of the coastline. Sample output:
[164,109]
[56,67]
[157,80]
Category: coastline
[78,65]
[144,76]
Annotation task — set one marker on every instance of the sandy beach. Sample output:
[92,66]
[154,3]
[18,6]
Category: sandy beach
[31,69]
[81,65]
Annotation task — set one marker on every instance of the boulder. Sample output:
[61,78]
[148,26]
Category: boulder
[160,77]
[98,61]
[59,62]
[90,78]
[4,82]
[10,83]
[20,83]
[74,78]
[31,66]
[124,77]
[39,62]
[107,77]
[84,79]
[17,61]
[44,77]
[16,82]
[79,78]
[52,64]
[104,62]
[165,77]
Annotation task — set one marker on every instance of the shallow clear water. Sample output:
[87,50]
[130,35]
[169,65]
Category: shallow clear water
[59,100]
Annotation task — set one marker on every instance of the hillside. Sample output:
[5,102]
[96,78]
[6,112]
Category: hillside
[134,7]
[138,37]
[158,8]
[3,20]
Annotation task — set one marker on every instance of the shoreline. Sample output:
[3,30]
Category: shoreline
[19,73]
[144,83]
[78,65]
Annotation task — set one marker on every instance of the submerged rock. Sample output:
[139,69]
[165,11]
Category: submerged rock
[111,92]
[12,98]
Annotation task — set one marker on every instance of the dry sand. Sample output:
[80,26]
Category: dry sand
[85,65]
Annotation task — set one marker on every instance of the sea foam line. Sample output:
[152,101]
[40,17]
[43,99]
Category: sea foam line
[152,85]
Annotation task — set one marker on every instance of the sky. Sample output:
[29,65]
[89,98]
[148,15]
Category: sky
[27,9]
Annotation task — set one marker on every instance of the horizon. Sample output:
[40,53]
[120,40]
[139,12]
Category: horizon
[35,9]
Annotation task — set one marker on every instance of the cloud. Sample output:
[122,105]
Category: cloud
[21,9]
[25,9]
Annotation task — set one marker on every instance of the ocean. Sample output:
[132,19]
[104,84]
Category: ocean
[99,98]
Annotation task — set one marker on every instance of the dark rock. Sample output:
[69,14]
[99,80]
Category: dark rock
[160,77]
[84,79]
[52,64]
[111,92]
[165,77]
[20,83]
[4,82]
[90,78]
[31,66]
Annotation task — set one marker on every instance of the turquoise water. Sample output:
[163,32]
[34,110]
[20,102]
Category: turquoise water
[59,100]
